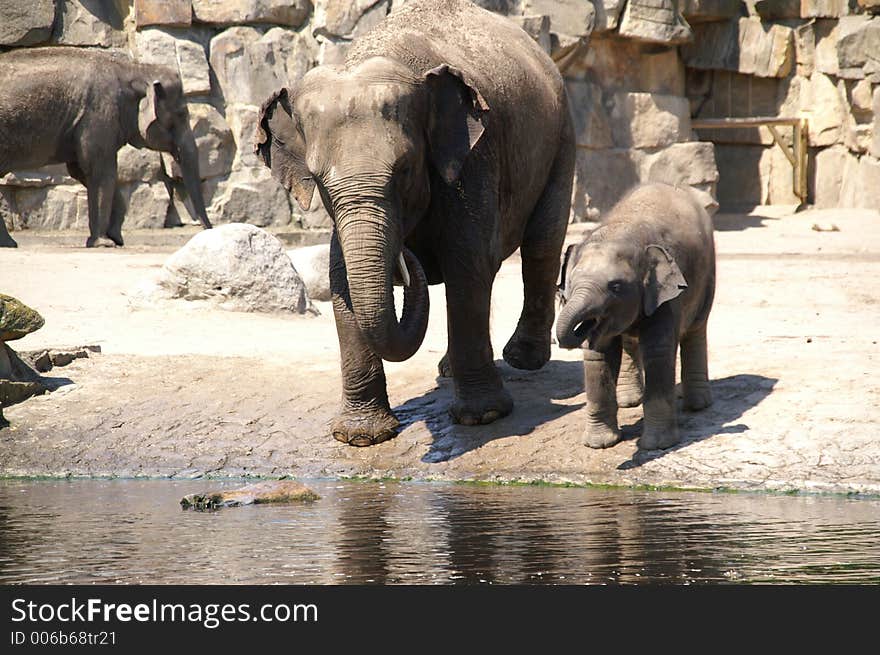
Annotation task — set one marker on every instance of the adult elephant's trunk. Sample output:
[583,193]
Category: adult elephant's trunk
[187,157]
[372,250]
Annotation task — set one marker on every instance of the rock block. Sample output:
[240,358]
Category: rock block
[608,63]
[824,8]
[312,263]
[53,207]
[250,195]
[180,52]
[137,164]
[655,21]
[251,65]
[569,17]
[706,11]
[745,45]
[592,125]
[91,23]
[691,164]
[213,140]
[145,205]
[826,175]
[648,120]
[874,148]
[607,15]
[602,177]
[26,23]
[237,267]
[292,13]
[17,319]
[348,18]
[858,45]
[171,13]
[45,176]
[861,183]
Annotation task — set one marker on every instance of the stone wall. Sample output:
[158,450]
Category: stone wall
[636,70]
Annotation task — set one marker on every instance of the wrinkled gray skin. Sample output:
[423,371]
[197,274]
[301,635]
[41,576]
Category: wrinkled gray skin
[445,139]
[79,107]
[634,290]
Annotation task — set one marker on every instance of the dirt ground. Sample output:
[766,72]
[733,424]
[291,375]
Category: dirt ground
[186,392]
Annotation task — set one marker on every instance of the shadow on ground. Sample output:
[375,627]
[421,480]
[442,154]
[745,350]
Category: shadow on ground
[733,396]
[533,395]
[733,222]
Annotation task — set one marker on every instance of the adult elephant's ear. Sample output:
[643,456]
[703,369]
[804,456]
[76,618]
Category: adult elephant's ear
[282,147]
[456,120]
[663,279]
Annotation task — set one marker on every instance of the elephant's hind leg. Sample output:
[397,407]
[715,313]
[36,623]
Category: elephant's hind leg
[529,347]
[365,417]
[694,370]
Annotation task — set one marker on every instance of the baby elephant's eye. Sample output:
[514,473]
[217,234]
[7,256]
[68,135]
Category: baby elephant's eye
[615,287]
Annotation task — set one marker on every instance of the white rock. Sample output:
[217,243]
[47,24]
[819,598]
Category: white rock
[648,120]
[312,263]
[238,267]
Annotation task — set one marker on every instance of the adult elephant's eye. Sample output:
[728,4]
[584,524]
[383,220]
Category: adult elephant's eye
[615,287]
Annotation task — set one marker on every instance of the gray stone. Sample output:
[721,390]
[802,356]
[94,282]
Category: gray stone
[691,164]
[745,45]
[251,65]
[705,11]
[45,176]
[213,140]
[776,9]
[224,12]
[176,13]
[607,15]
[91,23]
[874,148]
[827,171]
[250,195]
[242,121]
[818,100]
[238,267]
[137,164]
[146,205]
[179,51]
[602,177]
[609,63]
[312,263]
[826,46]
[55,207]
[858,44]
[591,122]
[824,8]
[26,23]
[348,18]
[861,184]
[568,17]
[654,21]
[647,120]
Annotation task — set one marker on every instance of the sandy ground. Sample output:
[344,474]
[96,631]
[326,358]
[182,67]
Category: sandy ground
[186,392]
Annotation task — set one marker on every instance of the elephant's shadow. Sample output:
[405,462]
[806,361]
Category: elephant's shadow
[733,396]
[533,406]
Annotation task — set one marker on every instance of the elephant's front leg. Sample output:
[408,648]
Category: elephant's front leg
[480,396]
[365,417]
[601,368]
[658,342]
[630,385]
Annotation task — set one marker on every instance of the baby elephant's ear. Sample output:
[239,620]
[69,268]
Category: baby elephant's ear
[282,147]
[663,279]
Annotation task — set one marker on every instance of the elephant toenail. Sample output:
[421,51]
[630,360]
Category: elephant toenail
[491,415]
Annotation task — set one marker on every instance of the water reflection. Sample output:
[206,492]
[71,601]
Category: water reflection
[134,532]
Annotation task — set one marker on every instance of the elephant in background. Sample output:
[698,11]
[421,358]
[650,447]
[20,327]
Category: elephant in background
[440,146]
[78,107]
[635,289]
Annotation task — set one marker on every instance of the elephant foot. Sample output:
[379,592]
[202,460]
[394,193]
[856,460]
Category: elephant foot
[658,438]
[527,354]
[364,428]
[628,397]
[116,237]
[444,368]
[94,242]
[601,435]
[697,398]
[481,409]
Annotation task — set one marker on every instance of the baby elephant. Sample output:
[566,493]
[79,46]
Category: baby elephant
[636,287]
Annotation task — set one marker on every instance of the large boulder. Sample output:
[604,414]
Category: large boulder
[313,265]
[238,267]
[745,45]
[224,12]
[90,23]
[17,380]
[654,21]
[181,52]
[26,23]
[177,13]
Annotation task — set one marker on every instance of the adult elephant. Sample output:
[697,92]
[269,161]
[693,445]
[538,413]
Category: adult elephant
[439,147]
[79,107]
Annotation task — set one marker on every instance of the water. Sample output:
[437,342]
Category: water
[419,533]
